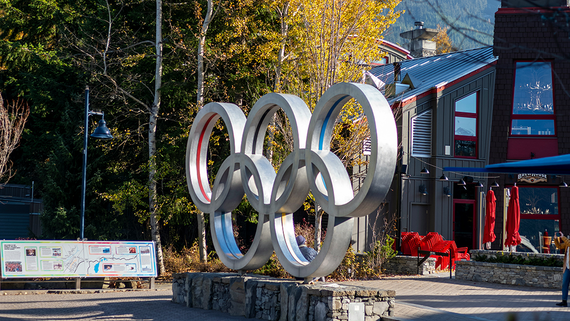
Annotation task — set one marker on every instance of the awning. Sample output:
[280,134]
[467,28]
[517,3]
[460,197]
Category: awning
[559,165]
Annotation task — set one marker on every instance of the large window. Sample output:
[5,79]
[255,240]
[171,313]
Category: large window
[533,102]
[466,126]
[538,200]
[539,214]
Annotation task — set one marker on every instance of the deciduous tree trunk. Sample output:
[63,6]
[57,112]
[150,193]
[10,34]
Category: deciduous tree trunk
[152,191]
[318,227]
[200,103]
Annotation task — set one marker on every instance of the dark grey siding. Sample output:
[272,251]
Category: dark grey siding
[444,120]
[438,208]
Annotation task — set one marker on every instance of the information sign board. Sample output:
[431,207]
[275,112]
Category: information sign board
[24,259]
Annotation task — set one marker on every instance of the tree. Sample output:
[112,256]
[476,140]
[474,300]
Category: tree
[153,119]
[13,117]
[107,45]
[335,41]
[442,42]
[338,38]
[113,52]
[209,15]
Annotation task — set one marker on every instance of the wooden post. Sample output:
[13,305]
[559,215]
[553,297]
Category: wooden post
[77,283]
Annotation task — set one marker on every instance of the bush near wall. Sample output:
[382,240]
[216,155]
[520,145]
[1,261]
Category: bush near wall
[536,259]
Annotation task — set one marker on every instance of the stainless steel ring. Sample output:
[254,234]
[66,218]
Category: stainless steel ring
[310,167]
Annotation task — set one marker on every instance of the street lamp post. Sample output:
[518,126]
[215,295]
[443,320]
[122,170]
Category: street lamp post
[101,132]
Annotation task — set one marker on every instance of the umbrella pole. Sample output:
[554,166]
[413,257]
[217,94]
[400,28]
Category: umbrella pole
[506,200]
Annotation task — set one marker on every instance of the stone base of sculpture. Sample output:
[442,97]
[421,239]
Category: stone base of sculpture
[266,298]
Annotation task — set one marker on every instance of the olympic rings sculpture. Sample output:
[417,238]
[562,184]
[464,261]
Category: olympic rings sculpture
[310,167]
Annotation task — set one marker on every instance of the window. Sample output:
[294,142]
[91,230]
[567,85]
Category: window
[421,135]
[533,102]
[539,214]
[383,61]
[538,200]
[466,126]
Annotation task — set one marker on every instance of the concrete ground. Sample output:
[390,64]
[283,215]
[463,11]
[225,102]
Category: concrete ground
[437,297]
[434,297]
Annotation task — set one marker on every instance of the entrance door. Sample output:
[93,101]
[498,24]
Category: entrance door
[463,223]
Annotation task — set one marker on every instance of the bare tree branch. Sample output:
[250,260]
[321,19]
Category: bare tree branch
[13,117]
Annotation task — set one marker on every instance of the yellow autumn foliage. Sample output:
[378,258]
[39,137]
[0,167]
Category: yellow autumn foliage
[328,42]
[337,39]
[442,41]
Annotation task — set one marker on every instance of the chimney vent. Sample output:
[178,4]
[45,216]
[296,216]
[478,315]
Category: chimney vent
[397,70]
[421,44]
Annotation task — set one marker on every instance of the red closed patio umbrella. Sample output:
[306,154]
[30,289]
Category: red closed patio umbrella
[489,232]
[513,219]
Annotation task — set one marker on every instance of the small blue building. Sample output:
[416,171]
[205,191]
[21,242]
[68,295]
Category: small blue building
[19,212]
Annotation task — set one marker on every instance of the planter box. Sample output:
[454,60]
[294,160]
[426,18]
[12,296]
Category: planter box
[512,274]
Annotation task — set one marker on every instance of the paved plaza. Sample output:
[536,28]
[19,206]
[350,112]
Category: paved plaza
[439,298]
[433,297]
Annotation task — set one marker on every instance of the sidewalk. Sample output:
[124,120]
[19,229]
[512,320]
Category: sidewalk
[16,305]
[433,297]
[436,297]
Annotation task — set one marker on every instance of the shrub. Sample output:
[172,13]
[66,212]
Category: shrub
[360,266]
[273,268]
[518,259]
[364,266]
[188,260]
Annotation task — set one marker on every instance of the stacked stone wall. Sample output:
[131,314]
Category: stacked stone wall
[280,299]
[403,264]
[511,274]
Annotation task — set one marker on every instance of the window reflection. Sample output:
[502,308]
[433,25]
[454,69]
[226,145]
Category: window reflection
[538,127]
[533,102]
[467,104]
[466,126]
[536,200]
[537,204]
[465,148]
[533,230]
[533,89]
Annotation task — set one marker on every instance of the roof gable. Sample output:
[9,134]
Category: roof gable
[424,74]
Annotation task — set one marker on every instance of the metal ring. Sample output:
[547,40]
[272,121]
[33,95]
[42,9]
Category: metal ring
[276,195]
[334,197]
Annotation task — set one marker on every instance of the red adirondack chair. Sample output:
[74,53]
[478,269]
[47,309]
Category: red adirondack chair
[406,238]
[459,253]
[430,243]
[414,243]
